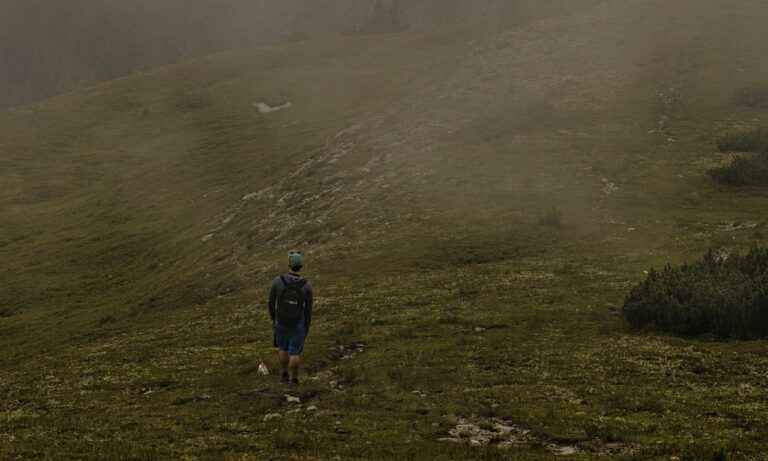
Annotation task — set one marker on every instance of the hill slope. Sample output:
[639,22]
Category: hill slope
[143,218]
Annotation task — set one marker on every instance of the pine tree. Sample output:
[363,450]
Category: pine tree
[355,25]
[379,17]
[513,12]
[396,22]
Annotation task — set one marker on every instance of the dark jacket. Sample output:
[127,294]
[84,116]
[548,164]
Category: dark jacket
[277,289]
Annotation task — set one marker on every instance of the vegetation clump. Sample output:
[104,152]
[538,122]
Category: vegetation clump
[552,217]
[744,170]
[753,97]
[754,140]
[723,295]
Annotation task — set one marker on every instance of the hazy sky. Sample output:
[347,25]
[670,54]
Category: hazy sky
[53,46]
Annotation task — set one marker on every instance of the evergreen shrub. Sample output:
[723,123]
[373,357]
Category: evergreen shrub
[743,170]
[725,297]
[754,140]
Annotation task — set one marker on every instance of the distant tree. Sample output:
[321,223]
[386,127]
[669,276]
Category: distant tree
[384,17]
[379,17]
[356,21]
[513,12]
[395,19]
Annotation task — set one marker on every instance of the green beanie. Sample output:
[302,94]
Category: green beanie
[295,258]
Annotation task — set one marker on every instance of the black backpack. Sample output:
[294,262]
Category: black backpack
[290,306]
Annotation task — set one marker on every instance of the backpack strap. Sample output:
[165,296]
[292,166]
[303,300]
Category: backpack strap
[280,297]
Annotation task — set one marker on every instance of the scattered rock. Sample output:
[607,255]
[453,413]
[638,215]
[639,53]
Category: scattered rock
[563,449]
[325,374]
[265,108]
[501,433]
[292,399]
[350,351]
[479,329]
[312,408]
[207,237]
[255,195]
[721,254]
[608,187]
[505,434]
[206,397]
[272,416]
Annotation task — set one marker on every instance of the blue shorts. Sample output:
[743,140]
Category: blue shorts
[290,339]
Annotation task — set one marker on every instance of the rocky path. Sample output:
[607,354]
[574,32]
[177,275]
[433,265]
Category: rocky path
[299,401]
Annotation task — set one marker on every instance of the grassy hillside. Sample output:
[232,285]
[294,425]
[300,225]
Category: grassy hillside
[142,220]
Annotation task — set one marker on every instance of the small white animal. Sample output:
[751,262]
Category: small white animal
[263,370]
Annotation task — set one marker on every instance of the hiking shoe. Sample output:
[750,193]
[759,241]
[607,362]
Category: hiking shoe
[295,382]
[285,379]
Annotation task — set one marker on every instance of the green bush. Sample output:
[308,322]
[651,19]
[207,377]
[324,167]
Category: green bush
[744,170]
[722,297]
[754,140]
[753,97]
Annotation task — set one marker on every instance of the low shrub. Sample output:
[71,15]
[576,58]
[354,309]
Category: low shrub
[753,97]
[552,217]
[723,296]
[754,140]
[743,170]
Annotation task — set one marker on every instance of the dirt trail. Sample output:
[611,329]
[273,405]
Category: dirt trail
[298,400]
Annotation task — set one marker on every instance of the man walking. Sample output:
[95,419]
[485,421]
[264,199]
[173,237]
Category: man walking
[290,308]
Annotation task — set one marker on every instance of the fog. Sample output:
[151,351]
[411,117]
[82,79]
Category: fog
[49,47]
[481,188]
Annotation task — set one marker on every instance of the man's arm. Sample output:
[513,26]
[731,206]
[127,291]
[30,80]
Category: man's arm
[272,301]
[308,309]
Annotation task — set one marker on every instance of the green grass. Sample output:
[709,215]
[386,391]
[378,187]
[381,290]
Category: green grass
[169,384]
[134,274]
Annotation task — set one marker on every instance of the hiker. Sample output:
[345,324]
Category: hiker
[290,308]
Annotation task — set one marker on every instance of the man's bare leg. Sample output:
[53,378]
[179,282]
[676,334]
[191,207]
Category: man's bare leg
[283,358]
[293,366]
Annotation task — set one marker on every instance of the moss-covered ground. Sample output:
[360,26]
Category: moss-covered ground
[142,221]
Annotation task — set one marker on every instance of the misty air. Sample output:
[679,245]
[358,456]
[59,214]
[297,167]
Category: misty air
[383,230]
